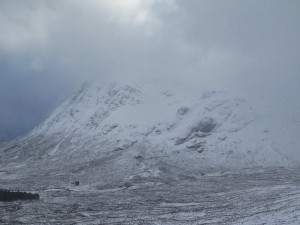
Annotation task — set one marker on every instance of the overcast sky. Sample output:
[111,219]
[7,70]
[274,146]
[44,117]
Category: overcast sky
[48,48]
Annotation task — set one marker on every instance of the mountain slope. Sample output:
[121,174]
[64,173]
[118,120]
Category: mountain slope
[120,131]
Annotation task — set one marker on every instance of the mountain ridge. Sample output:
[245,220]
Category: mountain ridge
[126,131]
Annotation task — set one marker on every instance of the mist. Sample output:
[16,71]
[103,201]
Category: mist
[49,48]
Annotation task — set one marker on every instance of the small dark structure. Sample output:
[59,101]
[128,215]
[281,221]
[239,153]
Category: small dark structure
[8,195]
[76,183]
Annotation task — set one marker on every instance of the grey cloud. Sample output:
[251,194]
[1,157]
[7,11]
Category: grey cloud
[48,48]
[253,44]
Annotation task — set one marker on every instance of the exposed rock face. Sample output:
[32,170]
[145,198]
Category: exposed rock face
[206,125]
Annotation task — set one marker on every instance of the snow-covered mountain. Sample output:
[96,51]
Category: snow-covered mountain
[119,131]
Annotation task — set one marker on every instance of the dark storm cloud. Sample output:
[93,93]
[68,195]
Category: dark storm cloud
[48,48]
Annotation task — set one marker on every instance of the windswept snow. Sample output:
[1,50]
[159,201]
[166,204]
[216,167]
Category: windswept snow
[121,131]
[145,154]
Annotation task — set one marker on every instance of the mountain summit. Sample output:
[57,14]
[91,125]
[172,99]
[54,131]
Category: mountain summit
[118,131]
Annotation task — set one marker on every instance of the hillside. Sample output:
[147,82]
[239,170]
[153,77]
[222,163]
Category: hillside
[112,132]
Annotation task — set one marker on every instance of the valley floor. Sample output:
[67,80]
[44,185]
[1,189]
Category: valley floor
[251,197]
